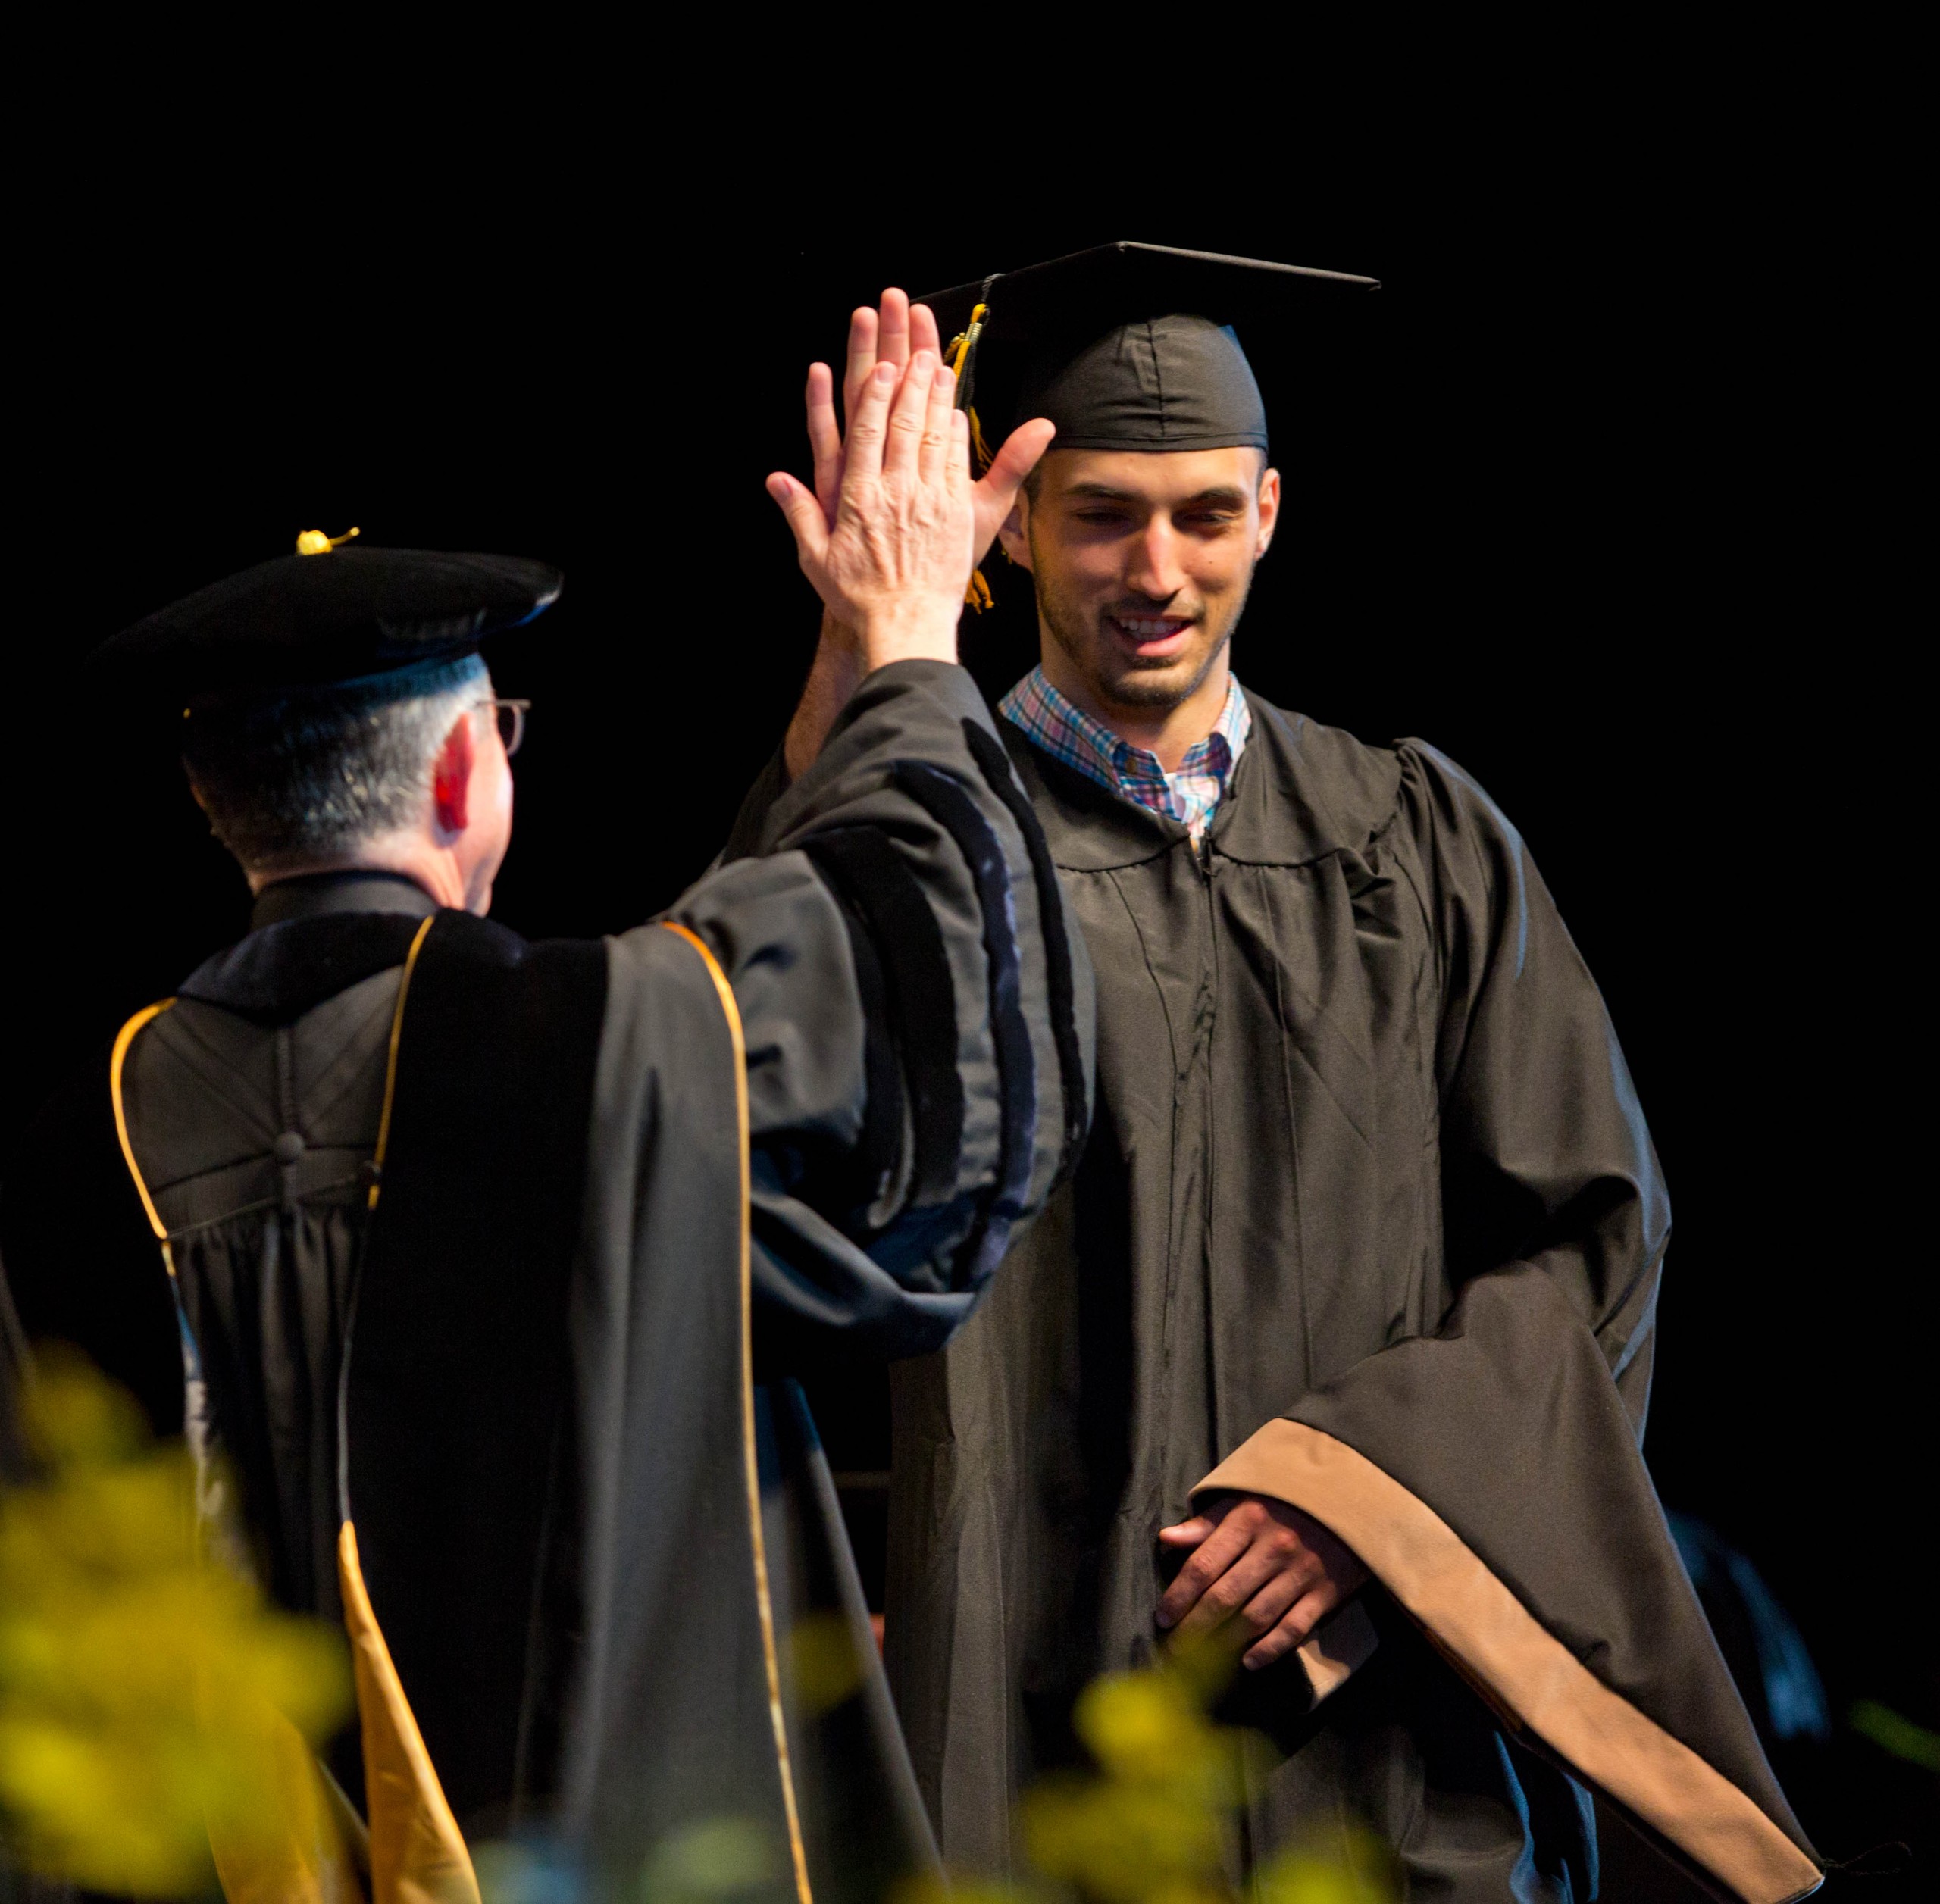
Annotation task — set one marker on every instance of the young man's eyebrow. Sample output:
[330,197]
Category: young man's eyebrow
[1225,495]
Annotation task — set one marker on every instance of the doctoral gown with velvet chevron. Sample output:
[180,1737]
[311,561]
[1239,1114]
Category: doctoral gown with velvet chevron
[519,1371]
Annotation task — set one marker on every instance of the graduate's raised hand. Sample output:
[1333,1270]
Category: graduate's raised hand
[1268,1570]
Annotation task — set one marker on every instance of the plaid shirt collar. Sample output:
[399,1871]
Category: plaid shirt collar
[1068,734]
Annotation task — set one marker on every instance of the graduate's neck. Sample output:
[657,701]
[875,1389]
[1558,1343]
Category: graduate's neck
[1171,730]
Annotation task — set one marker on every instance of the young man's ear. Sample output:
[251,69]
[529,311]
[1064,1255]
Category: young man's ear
[1270,510]
[451,778]
[1014,534]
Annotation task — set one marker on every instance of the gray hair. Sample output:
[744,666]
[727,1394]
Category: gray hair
[317,774]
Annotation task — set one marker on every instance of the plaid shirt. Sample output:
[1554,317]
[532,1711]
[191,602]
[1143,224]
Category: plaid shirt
[1191,795]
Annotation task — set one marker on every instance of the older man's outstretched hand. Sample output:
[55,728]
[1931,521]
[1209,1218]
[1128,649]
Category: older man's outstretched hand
[894,525]
[892,562]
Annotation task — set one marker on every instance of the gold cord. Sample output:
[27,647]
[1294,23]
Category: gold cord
[764,1601]
[390,1065]
[124,1039]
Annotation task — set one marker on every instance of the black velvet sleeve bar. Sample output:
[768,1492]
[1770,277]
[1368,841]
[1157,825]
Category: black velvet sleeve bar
[897,829]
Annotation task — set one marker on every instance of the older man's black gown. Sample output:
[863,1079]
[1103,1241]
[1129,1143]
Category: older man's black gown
[599,1537]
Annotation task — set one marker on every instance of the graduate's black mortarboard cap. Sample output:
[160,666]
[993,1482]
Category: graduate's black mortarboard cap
[1131,346]
[325,616]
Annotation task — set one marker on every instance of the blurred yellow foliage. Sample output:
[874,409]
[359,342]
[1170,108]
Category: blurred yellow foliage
[1152,1825]
[960,1891]
[1151,1828]
[138,1683]
[1358,1869]
[713,1861]
[824,1663]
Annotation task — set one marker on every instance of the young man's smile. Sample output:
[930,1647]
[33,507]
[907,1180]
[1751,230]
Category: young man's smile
[1153,637]
[1142,561]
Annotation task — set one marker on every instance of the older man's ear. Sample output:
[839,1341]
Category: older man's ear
[451,779]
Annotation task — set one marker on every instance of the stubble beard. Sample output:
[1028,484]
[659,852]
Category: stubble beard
[1115,681]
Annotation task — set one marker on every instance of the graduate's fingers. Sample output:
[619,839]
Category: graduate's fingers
[908,416]
[1251,1573]
[1187,1533]
[1019,457]
[923,332]
[996,493]
[939,433]
[1214,1555]
[862,357]
[892,344]
[1294,1628]
[804,512]
[824,437]
[1281,1593]
[862,454]
[1214,1508]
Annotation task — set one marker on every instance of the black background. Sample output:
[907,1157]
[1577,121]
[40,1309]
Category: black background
[1599,502]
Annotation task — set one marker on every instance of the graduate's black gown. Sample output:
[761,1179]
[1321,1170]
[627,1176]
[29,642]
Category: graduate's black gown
[598,1534]
[1369,1221]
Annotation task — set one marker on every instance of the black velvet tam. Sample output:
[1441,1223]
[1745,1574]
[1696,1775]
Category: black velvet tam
[1131,346]
[315,620]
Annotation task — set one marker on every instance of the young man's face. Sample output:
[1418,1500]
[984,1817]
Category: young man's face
[1142,561]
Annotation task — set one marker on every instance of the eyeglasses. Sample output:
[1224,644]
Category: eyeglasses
[511,716]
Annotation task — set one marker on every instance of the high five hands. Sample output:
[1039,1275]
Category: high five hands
[894,525]
[1261,1571]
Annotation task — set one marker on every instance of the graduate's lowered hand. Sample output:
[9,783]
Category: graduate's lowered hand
[1274,1572]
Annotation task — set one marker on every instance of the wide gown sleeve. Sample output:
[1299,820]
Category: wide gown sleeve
[1488,1474]
[1546,1161]
[917,1011]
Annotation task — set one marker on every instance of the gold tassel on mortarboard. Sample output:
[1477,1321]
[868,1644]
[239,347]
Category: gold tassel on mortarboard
[964,342]
[977,598]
